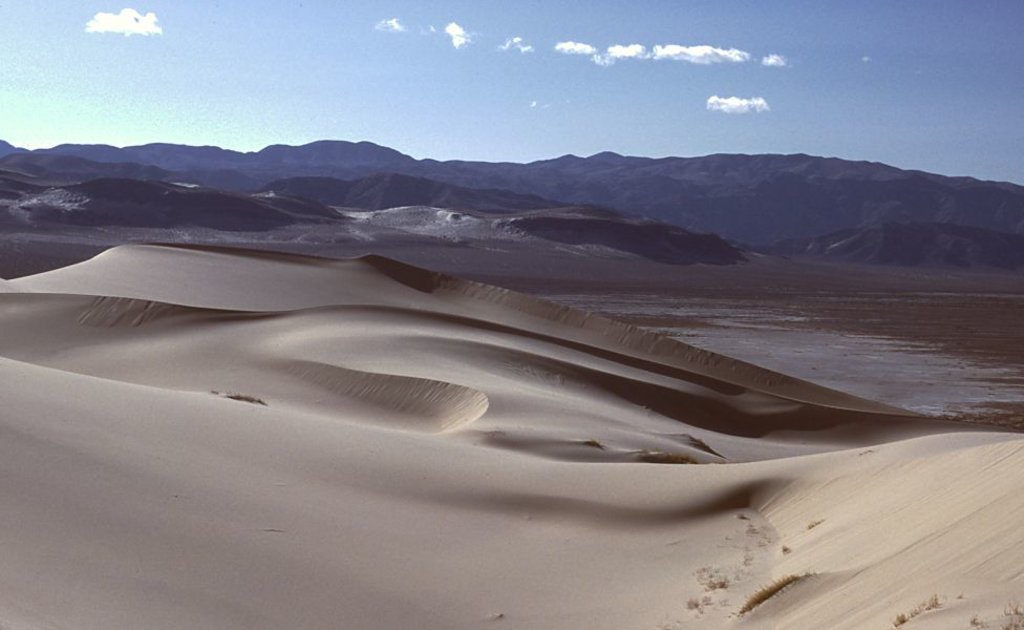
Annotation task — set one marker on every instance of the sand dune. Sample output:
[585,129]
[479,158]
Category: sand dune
[197,437]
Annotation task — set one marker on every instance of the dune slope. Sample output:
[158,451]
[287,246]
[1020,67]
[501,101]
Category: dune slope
[195,437]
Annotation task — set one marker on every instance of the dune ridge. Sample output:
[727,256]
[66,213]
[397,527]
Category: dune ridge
[203,437]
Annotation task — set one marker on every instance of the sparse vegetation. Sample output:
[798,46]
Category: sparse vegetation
[240,397]
[1014,615]
[593,444]
[786,550]
[770,590]
[698,604]
[658,457]
[814,524]
[711,579]
[931,603]
[702,445]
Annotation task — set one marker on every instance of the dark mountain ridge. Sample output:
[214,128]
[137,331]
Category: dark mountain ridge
[750,198]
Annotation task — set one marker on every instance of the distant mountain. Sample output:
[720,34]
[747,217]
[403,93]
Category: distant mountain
[757,199]
[68,168]
[390,190]
[317,158]
[914,245]
[647,239]
[591,231]
[14,185]
[7,149]
[137,203]
[750,198]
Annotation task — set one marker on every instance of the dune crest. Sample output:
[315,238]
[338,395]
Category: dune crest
[436,405]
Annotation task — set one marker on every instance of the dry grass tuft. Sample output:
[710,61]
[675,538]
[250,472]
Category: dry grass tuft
[593,444]
[786,550]
[1014,615]
[770,590]
[931,603]
[814,524]
[657,457]
[240,397]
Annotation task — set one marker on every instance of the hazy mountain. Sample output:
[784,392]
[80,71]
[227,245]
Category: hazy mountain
[7,149]
[750,198]
[652,240]
[69,168]
[755,198]
[914,244]
[390,190]
[14,185]
[316,158]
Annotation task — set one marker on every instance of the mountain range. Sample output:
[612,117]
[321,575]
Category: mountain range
[757,199]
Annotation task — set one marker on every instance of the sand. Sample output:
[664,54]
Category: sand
[210,438]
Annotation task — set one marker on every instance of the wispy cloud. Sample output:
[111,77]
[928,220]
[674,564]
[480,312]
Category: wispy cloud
[702,54]
[737,105]
[774,61]
[127,22]
[390,26]
[575,48]
[516,43]
[607,58]
[458,34]
[865,59]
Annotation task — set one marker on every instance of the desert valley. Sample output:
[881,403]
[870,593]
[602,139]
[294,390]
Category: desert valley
[233,400]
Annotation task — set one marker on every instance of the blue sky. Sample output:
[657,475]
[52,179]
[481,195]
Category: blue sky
[935,85]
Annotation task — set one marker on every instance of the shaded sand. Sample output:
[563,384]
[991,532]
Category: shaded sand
[194,437]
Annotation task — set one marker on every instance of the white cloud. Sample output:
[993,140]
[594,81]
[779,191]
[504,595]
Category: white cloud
[774,61]
[618,51]
[516,43]
[737,105]
[127,22]
[390,26]
[458,34]
[575,48]
[702,54]
[632,51]
[865,59]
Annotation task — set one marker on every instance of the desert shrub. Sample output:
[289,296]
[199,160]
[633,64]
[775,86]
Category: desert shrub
[768,591]
[657,457]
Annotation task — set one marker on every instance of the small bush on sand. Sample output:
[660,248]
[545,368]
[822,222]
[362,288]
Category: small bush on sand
[593,444]
[657,457]
[814,524]
[241,397]
[767,592]
[931,603]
